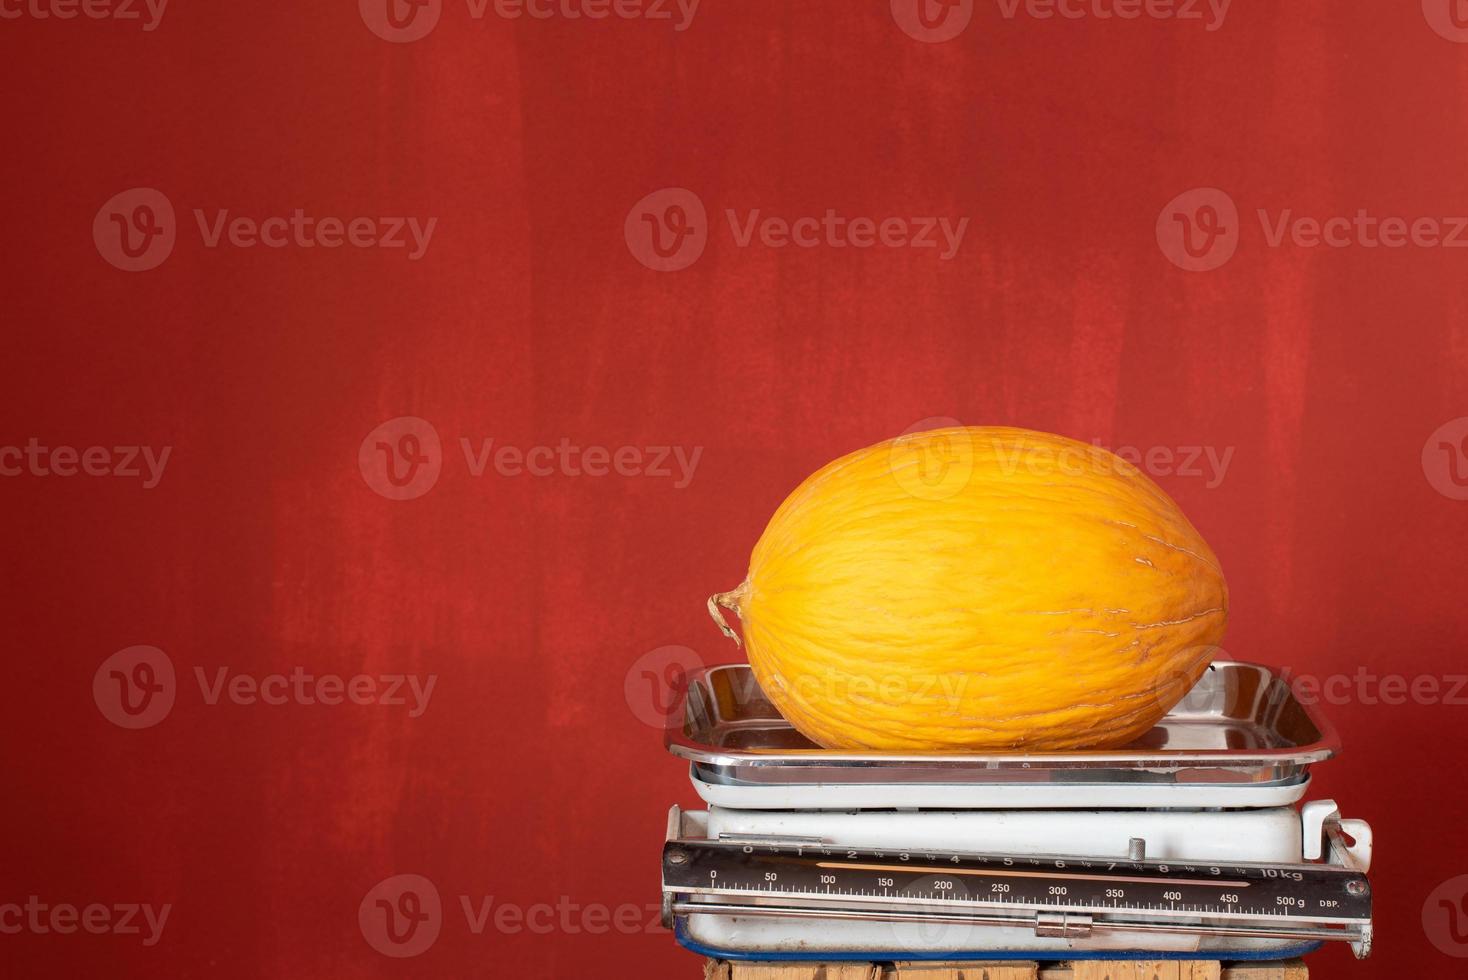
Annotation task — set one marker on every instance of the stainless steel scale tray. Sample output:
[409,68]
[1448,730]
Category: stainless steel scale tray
[1240,737]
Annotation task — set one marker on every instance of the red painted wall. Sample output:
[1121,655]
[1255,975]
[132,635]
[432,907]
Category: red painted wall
[264,545]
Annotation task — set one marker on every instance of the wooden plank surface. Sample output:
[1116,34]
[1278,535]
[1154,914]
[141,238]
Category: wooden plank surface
[1149,970]
[963,971]
[799,971]
[1176,970]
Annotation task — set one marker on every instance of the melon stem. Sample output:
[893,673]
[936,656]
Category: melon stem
[728,600]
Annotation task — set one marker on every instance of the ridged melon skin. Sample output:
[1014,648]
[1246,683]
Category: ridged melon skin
[972,589]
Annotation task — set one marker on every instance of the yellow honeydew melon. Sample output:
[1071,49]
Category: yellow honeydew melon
[971,589]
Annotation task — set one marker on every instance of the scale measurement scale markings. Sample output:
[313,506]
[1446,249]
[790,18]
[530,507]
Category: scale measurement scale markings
[1319,894]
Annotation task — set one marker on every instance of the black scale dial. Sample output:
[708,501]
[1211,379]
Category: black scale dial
[1134,889]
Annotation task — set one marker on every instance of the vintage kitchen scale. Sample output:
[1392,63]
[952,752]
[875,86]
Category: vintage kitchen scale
[1187,844]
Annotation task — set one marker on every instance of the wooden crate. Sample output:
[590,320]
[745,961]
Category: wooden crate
[1078,970]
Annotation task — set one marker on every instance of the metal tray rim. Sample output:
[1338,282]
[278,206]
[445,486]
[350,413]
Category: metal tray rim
[1323,748]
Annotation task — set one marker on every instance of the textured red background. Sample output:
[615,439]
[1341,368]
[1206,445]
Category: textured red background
[530,778]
